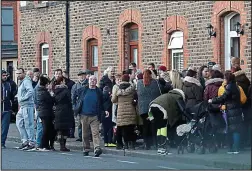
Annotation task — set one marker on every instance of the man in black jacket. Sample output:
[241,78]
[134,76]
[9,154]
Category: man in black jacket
[6,101]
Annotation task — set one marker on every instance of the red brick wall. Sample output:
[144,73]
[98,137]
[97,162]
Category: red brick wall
[13,4]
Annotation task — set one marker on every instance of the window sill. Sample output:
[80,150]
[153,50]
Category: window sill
[42,5]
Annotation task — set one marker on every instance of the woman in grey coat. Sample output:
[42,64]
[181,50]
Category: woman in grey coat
[148,89]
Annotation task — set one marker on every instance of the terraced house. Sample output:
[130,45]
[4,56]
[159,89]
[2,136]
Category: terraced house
[104,33]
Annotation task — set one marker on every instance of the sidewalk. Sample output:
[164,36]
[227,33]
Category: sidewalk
[220,160]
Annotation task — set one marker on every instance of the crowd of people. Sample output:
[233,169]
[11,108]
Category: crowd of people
[128,105]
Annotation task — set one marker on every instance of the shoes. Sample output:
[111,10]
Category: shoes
[52,148]
[106,145]
[79,139]
[3,146]
[29,148]
[98,152]
[22,146]
[111,145]
[85,153]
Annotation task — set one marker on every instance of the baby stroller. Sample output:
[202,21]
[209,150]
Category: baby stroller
[197,131]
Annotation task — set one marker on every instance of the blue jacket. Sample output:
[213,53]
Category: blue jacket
[26,93]
[6,96]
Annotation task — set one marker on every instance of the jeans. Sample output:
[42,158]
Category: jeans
[234,140]
[25,124]
[48,133]
[5,119]
[39,132]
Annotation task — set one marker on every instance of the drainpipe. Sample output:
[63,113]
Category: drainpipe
[67,38]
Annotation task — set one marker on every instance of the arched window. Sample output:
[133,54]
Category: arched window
[93,56]
[45,58]
[175,47]
[232,39]
[130,44]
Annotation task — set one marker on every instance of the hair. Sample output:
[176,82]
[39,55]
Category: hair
[183,73]
[191,73]
[176,79]
[216,74]
[229,76]
[22,69]
[59,80]
[147,77]
[35,69]
[118,76]
[201,69]
[58,70]
[152,64]
[133,64]
[43,80]
[126,78]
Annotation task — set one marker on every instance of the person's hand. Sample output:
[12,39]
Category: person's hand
[107,114]
[210,101]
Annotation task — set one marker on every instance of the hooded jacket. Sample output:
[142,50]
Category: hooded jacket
[6,98]
[212,87]
[193,91]
[25,93]
[123,95]
[167,103]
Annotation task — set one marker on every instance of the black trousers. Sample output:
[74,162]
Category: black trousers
[49,133]
[125,132]
[149,131]
[107,130]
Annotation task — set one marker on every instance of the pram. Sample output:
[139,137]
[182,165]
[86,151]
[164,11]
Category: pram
[197,131]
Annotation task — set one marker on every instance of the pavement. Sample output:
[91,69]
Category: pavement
[221,160]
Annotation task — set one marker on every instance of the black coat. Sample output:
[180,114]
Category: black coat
[231,98]
[44,102]
[64,117]
[165,86]
[69,83]
[105,81]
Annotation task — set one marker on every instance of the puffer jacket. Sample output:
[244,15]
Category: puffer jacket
[64,117]
[44,102]
[231,98]
[242,80]
[193,91]
[123,96]
[212,87]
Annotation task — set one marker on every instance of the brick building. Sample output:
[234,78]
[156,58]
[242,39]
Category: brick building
[9,37]
[105,33]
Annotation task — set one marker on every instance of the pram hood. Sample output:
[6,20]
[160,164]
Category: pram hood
[167,105]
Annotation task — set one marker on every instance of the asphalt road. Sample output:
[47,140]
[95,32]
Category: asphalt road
[18,159]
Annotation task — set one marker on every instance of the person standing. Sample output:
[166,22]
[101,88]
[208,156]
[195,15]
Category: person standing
[81,83]
[45,113]
[203,75]
[63,112]
[25,115]
[6,101]
[151,66]
[91,101]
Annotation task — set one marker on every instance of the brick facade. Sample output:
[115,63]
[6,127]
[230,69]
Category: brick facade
[155,20]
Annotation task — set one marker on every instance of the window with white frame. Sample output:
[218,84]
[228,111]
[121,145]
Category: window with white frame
[232,39]
[45,58]
[176,50]
[95,56]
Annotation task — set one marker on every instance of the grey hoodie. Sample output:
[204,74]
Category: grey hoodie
[26,93]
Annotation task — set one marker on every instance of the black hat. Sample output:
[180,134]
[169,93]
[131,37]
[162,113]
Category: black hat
[4,72]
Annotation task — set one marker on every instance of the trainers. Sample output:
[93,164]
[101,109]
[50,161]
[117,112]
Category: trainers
[98,152]
[106,145]
[22,146]
[29,148]
[45,149]
[85,153]
[236,152]
[111,145]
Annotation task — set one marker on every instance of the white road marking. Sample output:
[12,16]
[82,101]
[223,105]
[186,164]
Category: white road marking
[164,167]
[67,154]
[124,161]
[96,157]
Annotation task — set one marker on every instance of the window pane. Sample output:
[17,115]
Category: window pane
[134,35]
[235,46]
[94,56]
[233,22]
[44,67]
[45,52]
[178,62]
[7,16]
[135,55]
[7,33]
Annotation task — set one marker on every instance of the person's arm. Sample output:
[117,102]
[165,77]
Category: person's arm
[206,93]
[114,98]
[29,89]
[198,90]
[73,94]
[223,97]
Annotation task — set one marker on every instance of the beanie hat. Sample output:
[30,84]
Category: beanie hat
[216,67]
[162,68]
[125,78]
[140,76]
[192,68]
